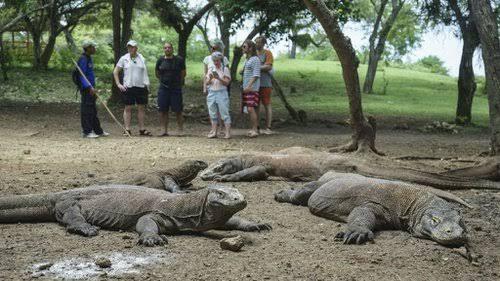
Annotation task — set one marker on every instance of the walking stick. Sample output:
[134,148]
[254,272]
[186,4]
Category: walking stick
[99,98]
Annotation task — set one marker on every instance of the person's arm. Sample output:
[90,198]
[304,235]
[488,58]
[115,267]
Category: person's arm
[183,69]
[255,76]
[205,69]
[268,64]
[157,68]
[146,76]
[82,64]
[226,79]
[116,72]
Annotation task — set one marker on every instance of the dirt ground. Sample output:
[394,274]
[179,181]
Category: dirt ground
[41,151]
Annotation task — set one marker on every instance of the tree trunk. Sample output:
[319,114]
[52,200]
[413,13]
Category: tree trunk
[466,80]
[373,60]
[47,52]
[224,36]
[70,41]
[127,11]
[363,138]
[237,54]
[377,49]
[3,58]
[37,49]
[116,17]
[293,49]
[182,43]
[487,28]
[293,113]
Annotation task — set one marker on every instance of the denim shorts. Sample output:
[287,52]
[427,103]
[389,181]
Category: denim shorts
[169,99]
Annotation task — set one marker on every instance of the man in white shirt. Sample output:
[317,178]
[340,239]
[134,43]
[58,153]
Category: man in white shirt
[135,86]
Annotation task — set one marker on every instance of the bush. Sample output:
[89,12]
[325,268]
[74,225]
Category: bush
[434,64]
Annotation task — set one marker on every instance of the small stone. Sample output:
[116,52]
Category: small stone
[232,243]
[90,175]
[27,151]
[478,228]
[103,262]
[45,266]
[127,237]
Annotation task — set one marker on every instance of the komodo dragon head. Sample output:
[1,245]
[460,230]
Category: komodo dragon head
[223,201]
[222,167]
[443,225]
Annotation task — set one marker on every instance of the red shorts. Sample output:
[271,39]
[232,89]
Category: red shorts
[265,95]
[250,99]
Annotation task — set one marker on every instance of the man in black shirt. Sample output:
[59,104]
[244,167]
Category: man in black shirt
[171,71]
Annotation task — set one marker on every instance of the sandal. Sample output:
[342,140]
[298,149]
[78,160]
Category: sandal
[127,133]
[145,133]
[212,135]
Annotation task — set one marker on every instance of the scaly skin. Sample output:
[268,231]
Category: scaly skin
[307,164]
[150,212]
[369,204]
[172,180]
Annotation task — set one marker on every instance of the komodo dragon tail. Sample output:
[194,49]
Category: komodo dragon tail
[26,208]
[436,180]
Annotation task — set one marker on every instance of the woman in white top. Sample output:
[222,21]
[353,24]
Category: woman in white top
[216,81]
[216,45]
[135,86]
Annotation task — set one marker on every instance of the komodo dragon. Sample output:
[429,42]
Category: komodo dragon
[150,212]
[303,164]
[369,204]
[172,179]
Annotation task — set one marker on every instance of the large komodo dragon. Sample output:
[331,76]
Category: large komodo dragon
[369,204]
[303,164]
[150,212]
[172,180]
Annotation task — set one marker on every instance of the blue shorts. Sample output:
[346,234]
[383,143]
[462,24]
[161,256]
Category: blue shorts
[169,99]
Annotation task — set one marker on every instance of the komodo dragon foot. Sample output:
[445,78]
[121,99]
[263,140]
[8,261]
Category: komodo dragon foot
[83,229]
[355,236]
[152,239]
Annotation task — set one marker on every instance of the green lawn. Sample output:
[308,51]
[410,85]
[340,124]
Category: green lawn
[319,90]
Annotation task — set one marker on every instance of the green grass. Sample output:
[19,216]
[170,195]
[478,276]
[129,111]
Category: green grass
[319,90]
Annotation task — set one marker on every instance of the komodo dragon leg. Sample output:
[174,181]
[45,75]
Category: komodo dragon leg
[254,173]
[149,232]
[171,186]
[237,223]
[297,196]
[72,218]
[361,223]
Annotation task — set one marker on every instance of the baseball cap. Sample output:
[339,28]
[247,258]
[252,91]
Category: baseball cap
[132,43]
[88,43]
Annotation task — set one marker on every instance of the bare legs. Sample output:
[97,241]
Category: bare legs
[164,122]
[141,114]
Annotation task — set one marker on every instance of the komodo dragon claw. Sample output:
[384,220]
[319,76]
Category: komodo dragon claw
[259,227]
[152,239]
[355,237]
[83,229]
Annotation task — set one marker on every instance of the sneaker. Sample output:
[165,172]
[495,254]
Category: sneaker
[91,135]
[252,134]
[104,134]
[267,132]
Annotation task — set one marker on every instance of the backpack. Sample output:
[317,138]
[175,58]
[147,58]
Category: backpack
[75,76]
